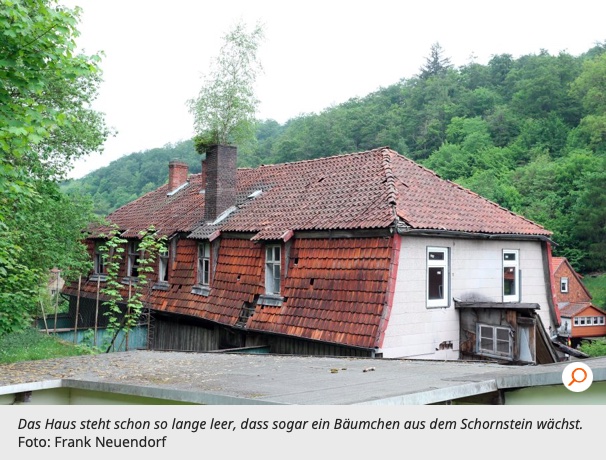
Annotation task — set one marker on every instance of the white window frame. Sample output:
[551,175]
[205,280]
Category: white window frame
[163,265]
[435,264]
[564,284]
[204,264]
[514,265]
[273,269]
[583,321]
[495,340]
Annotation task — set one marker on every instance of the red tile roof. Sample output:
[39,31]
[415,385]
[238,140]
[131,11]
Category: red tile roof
[354,191]
[337,289]
[179,212]
[573,309]
[425,201]
[336,292]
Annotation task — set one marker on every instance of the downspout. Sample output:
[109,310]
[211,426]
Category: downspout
[550,278]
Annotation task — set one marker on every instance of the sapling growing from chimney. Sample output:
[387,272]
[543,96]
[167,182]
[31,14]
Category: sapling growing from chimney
[224,111]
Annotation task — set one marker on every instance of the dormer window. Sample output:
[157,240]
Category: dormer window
[98,262]
[272,269]
[163,263]
[132,269]
[204,264]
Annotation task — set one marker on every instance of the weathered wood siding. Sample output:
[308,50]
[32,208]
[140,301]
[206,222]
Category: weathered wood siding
[187,334]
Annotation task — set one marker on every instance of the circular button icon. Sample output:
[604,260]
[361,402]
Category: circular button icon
[577,376]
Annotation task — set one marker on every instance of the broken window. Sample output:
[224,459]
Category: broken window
[272,269]
[133,259]
[511,278]
[163,266]
[494,341]
[98,262]
[437,277]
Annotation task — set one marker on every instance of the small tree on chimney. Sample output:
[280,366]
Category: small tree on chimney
[224,111]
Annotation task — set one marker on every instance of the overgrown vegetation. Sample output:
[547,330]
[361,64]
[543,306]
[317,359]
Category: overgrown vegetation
[148,249]
[46,89]
[594,348]
[29,345]
[225,108]
[596,284]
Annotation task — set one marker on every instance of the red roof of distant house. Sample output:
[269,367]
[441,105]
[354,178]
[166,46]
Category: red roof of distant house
[556,262]
[572,309]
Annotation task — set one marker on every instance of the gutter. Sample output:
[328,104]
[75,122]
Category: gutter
[406,230]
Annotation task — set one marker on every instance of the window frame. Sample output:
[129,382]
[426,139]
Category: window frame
[99,268]
[203,265]
[564,284]
[432,263]
[271,267]
[513,265]
[134,254]
[164,263]
[493,351]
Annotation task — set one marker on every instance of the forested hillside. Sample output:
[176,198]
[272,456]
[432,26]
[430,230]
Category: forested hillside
[528,133]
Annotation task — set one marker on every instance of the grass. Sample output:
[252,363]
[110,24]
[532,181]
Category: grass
[596,284]
[31,345]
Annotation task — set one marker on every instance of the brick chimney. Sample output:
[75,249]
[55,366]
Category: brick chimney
[177,174]
[220,170]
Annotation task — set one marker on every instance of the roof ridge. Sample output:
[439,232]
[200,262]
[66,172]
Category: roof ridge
[390,178]
[330,157]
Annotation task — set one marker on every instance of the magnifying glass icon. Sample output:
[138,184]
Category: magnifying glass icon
[574,375]
[577,377]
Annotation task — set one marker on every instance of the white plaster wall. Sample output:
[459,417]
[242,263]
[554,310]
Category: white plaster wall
[415,331]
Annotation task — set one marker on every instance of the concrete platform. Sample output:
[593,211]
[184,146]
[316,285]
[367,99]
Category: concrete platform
[219,378]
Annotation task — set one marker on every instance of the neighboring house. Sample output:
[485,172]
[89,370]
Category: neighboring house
[580,318]
[365,254]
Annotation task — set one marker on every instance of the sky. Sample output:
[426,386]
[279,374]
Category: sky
[316,54]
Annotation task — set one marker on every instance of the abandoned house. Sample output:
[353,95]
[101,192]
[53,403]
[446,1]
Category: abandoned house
[580,319]
[362,254]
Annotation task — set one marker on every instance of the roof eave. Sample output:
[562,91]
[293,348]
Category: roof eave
[405,230]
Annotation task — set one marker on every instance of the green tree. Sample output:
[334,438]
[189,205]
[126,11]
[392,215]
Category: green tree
[436,63]
[46,88]
[224,111]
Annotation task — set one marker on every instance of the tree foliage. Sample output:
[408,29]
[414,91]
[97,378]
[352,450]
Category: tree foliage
[224,111]
[46,88]
[528,133]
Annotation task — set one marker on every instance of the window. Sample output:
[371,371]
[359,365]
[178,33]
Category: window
[204,264]
[133,259]
[98,262]
[163,263]
[511,279]
[589,320]
[437,277]
[494,341]
[272,269]
[564,284]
